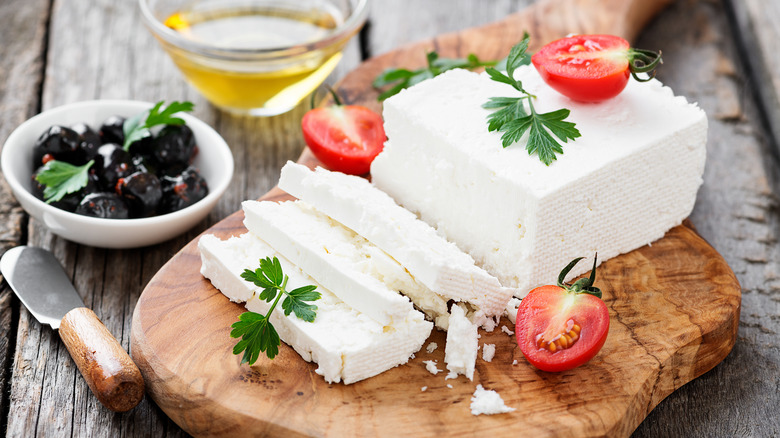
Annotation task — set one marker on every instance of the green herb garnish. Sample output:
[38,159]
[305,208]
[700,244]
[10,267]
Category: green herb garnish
[61,178]
[514,120]
[401,78]
[255,330]
[136,128]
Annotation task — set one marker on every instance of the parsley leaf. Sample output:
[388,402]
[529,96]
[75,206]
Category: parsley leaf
[255,330]
[514,120]
[139,126]
[400,78]
[61,178]
[257,334]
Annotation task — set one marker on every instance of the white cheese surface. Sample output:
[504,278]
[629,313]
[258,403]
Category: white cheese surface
[632,175]
[488,402]
[347,345]
[431,259]
[460,352]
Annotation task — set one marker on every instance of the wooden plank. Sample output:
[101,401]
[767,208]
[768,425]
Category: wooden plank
[756,34]
[737,212]
[22,31]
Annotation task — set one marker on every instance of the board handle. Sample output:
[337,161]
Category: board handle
[110,373]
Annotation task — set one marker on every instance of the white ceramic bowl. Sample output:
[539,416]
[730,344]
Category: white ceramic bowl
[214,161]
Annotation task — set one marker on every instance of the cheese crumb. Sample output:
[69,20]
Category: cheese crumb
[488,351]
[430,365]
[460,353]
[431,347]
[451,375]
[424,388]
[506,330]
[488,402]
[514,362]
[511,309]
[449,386]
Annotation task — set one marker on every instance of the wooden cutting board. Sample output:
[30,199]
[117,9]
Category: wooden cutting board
[674,309]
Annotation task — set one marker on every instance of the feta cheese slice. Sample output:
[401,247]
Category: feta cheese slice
[431,259]
[630,177]
[347,345]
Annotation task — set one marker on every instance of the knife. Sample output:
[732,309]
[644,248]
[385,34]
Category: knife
[43,287]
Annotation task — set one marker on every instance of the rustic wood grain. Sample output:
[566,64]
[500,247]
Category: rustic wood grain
[22,32]
[756,34]
[674,307]
[737,212]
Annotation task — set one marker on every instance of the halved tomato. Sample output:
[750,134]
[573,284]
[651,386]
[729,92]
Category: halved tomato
[592,68]
[562,327]
[346,138]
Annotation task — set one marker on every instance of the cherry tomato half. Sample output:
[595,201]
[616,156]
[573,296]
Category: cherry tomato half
[346,138]
[592,68]
[562,327]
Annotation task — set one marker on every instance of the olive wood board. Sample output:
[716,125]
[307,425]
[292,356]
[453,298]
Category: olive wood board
[674,312]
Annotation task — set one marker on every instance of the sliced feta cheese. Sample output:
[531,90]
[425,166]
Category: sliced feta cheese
[630,177]
[488,402]
[432,260]
[460,353]
[488,352]
[347,345]
[328,252]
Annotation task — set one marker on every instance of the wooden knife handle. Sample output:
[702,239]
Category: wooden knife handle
[110,373]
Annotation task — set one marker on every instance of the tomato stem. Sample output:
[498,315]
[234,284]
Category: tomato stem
[643,61]
[583,285]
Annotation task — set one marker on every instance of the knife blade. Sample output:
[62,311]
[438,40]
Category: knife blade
[44,288]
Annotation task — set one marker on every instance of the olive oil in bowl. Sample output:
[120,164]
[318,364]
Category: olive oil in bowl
[256,57]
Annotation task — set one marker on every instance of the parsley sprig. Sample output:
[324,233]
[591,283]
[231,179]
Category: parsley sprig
[514,120]
[255,330]
[400,78]
[139,126]
[60,178]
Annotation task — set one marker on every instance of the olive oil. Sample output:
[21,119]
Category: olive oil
[243,72]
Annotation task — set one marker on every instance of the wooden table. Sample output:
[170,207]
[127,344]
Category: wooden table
[717,53]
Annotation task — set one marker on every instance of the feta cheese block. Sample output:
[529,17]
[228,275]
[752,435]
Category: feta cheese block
[347,345]
[630,177]
[431,259]
[355,270]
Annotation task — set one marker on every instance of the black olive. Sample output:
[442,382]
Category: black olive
[70,201]
[112,130]
[89,140]
[182,190]
[60,143]
[111,163]
[175,144]
[103,205]
[142,193]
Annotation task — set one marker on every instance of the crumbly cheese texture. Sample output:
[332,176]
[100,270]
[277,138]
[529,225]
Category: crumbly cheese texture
[630,177]
[460,352]
[347,345]
[431,259]
[488,402]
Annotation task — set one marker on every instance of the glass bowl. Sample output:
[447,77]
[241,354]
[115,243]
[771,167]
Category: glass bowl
[257,57]
[214,160]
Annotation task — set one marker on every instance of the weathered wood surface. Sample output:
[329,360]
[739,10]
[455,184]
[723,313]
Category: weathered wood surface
[98,50]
